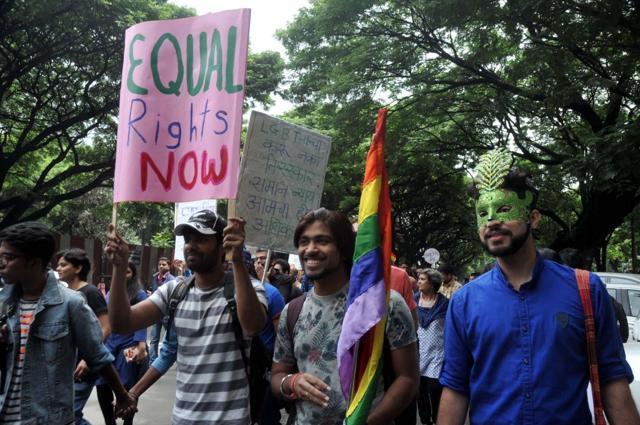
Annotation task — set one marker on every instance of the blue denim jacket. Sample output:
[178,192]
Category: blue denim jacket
[62,327]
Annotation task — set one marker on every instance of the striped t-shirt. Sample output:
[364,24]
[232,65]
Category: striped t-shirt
[211,382]
[11,411]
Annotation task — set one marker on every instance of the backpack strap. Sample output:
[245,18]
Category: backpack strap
[582,277]
[293,312]
[177,294]
[229,295]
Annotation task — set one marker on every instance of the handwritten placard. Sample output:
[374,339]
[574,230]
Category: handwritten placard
[281,178]
[180,115]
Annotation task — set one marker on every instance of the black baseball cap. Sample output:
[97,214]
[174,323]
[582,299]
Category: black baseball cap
[205,222]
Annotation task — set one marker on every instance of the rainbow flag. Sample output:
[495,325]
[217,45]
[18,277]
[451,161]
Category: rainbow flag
[362,335]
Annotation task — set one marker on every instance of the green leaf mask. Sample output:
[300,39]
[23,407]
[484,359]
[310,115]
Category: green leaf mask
[502,205]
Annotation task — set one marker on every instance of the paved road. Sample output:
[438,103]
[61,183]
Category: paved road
[154,406]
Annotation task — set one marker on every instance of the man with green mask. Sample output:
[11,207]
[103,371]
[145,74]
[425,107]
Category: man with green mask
[515,339]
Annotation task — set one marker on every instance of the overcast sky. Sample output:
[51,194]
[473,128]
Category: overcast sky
[266,18]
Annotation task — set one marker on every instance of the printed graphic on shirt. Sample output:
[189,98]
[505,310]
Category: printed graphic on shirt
[316,337]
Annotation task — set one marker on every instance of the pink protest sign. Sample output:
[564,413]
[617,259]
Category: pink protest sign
[181,108]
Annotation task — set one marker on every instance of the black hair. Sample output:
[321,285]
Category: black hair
[286,269]
[340,228]
[165,259]
[446,269]
[79,258]
[434,277]
[572,258]
[252,270]
[518,181]
[33,239]
[133,285]
[550,254]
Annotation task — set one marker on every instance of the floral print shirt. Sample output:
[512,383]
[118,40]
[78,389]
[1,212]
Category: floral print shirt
[314,345]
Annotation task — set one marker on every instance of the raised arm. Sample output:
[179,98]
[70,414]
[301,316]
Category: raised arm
[122,317]
[251,312]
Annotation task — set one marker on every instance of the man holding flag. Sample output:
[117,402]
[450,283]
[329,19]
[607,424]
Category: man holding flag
[332,380]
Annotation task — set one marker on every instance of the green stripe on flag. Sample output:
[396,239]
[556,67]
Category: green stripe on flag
[368,236]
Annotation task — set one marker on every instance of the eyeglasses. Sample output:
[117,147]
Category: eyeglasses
[6,257]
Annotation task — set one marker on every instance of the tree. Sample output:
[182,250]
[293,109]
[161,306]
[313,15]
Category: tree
[60,69]
[555,81]
[428,194]
[60,65]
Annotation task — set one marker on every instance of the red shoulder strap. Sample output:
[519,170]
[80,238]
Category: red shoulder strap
[582,276]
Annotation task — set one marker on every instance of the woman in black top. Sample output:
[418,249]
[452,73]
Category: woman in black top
[73,268]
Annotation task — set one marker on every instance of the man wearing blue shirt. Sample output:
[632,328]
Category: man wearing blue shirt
[515,340]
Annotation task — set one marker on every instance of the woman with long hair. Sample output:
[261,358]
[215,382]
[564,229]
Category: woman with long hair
[432,309]
[73,269]
[130,352]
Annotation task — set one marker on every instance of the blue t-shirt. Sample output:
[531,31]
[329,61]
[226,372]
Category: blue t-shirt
[521,356]
[275,303]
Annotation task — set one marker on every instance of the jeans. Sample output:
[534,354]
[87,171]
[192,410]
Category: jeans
[82,391]
[156,330]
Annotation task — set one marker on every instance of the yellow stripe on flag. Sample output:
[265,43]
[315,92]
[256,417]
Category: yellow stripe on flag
[372,366]
[369,199]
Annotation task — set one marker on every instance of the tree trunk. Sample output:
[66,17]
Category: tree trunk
[602,213]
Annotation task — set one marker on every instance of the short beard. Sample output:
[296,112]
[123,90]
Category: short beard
[516,243]
[206,264]
[321,274]
[318,275]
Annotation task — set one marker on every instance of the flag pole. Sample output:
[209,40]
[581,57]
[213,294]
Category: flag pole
[353,375]
[266,266]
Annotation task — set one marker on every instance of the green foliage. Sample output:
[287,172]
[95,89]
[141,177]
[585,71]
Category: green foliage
[620,249]
[60,70]
[555,82]
[265,71]
[416,181]
[163,239]
[59,85]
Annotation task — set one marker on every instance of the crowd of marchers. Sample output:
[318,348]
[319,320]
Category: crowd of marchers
[517,343]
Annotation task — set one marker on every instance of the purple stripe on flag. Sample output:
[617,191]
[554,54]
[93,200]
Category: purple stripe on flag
[363,314]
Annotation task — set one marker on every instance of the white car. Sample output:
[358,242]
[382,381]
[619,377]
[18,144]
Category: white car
[625,288]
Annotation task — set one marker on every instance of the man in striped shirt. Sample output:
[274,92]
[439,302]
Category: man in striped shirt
[212,383]
[43,326]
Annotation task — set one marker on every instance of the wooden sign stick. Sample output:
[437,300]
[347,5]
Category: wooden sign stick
[231,212]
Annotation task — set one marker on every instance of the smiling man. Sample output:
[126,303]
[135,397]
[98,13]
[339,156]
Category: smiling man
[325,243]
[515,339]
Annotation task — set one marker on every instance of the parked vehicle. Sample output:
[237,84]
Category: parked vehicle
[625,288]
